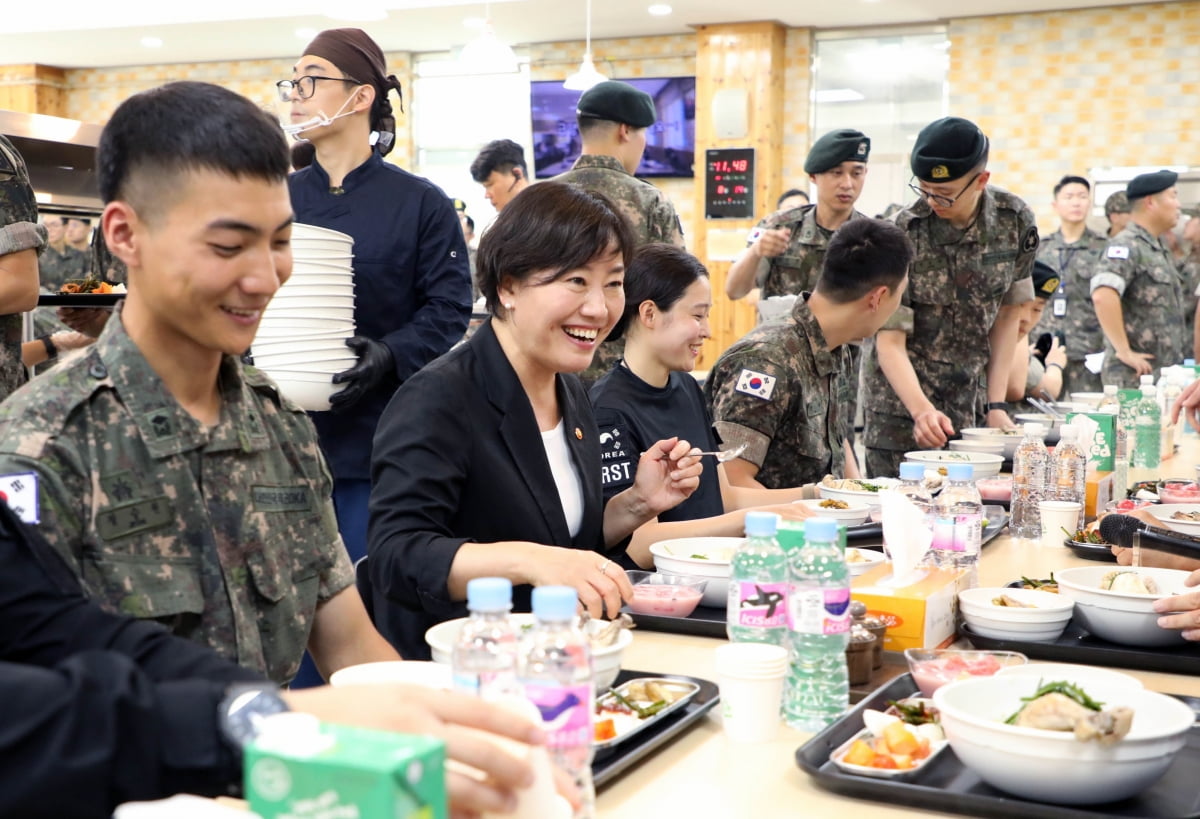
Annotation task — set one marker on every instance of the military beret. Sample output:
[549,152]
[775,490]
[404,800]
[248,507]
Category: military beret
[836,147]
[618,101]
[1147,184]
[1117,203]
[947,149]
[1045,280]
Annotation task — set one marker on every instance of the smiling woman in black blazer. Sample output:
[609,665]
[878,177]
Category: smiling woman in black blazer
[487,461]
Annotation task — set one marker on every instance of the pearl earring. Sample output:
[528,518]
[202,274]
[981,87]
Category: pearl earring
[508,305]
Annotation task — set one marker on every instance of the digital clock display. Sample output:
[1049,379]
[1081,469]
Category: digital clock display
[729,183]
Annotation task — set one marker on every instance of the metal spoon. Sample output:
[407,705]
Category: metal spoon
[723,455]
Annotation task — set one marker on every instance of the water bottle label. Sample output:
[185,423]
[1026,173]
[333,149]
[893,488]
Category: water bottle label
[943,534]
[820,611]
[759,605]
[968,532]
[566,713]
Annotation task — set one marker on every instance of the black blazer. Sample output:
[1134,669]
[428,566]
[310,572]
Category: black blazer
[458,457]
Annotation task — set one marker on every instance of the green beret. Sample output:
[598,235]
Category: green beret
[836,147]
[1117,203]
[948,149]
[1147,184]
[1045,280]
[618,101]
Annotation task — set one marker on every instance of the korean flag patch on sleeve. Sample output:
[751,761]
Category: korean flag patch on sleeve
[1118,252]
[757,384]
[20,492]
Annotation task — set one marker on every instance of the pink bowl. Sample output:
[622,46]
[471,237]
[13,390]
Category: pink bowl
[995,489]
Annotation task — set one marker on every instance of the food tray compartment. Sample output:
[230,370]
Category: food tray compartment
[79,299]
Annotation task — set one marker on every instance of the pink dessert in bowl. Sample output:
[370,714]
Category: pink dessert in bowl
[1179,491]
[931,668]
[995,489]
[671,595]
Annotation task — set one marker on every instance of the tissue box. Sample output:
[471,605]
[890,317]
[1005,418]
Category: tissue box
[1104,445]
[919,615]
[360,773]
[1098,492]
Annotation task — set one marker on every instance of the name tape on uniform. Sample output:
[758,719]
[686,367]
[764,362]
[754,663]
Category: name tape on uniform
[20,492]
[760,385]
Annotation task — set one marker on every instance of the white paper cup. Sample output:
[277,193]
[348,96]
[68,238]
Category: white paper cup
[750,676]
[1057,516]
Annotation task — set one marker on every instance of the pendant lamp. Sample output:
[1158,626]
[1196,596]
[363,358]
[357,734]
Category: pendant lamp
[486,54]
[587,75]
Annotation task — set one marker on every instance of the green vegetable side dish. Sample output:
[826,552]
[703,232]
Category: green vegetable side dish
[698,557]
[916,713]
[643,712]
[1058,687]
[1082,536]
[868,487]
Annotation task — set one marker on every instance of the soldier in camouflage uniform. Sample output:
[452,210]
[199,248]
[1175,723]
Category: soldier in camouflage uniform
[1137,289]
[1116,211]
[975,248]
[176,481]
[1074,251]
[1189,271]
[782,388]
[21,237]
[613,117]
[59,261]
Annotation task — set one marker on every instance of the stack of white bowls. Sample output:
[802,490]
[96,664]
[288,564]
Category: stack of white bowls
[1045,620]
[301,340]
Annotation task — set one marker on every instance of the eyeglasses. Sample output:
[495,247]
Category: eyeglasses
[306,85]
[938,199]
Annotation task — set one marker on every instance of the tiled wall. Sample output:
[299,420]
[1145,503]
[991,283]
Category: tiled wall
[797,79]
[1064,92]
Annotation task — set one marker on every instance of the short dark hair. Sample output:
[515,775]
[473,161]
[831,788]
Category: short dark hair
[791,192]
[498,155]
[862,255]
[1071,180]
[470,222]
[660,273]
[81,219]
[157,135]
[551,227]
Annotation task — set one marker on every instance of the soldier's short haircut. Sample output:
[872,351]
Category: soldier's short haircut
[862,255]
[660,273]
[549,230]
[158,135]
[1071,180]
[500,155]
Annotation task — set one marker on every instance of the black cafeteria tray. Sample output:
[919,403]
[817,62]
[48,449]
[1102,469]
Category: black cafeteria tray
[1101,552]
[945,784]
[1075,645]
[705,621]
[609,763]
[79,299]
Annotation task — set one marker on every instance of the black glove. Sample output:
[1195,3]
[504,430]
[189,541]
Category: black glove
[375,363]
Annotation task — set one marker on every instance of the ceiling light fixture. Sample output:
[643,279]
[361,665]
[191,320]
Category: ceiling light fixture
[152,42]
[486,54]
[659,10]
[587,76]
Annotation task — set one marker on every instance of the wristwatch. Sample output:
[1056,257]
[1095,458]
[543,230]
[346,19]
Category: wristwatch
[243,710]
[997,405]
[48,343]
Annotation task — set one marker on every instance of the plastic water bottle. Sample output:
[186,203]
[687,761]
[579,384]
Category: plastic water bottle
[484,660]
[912,486]
[1147,431]
[1069,471]
[1109,403]
[758,584]
[818,686]
[1029,481]
[957,519]
[554,664]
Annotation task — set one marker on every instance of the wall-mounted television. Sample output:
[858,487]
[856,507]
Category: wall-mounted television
[670,142]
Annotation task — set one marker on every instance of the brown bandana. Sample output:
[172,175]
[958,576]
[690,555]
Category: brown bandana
[359,57]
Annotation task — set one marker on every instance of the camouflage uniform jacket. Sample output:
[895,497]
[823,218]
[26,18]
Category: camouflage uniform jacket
[1189,271]
[19,231]
[225,535]
[1143,272]
[779,391]
[797,268]
[957,284]
[649,211]
[54,268]
[1076,318]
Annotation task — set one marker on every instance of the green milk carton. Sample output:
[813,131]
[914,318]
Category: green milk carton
[1104,445]
[324,771]
[790,534]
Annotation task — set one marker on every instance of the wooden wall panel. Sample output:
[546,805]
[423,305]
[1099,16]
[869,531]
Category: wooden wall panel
[33,89]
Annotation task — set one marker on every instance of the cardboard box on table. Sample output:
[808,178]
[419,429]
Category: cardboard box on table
[919,614]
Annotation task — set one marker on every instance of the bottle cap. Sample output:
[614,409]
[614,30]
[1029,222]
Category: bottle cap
[960,472]
[1110,389]
[1189,362]
[910,471]
[1147,379]
[761,524]
[1033,428]
[1068,433]
[554,602]
[824,529]
[489,594]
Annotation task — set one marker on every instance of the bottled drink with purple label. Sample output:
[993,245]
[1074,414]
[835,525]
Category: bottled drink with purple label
[758,585]
[818,687]
[554,664]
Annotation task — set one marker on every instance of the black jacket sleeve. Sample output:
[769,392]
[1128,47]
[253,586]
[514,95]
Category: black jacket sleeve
[97,709]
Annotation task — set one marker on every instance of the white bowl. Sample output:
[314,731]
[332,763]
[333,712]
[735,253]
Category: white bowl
[1052,766]
[1011,440]
[853,515]
[984,464]
[606,661]
[303,278]
[303,362]
[675,557]
[1128,619]
[329,266]
[319,346]
[993,629]
[310,305]
[995,447]
[1050,607]
[295,288]
[1049,422]
[337,256]
[412,672]
[1091,399]
[310,395]
[308,233]
[305,326]
[867,559]
[856,497]
[1163,512]
[1082,675]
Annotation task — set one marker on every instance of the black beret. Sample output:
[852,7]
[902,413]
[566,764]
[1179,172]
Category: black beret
[1117,203]
[947,149]
[1147,184]
[1045,280]
[836,147]
[618,101]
